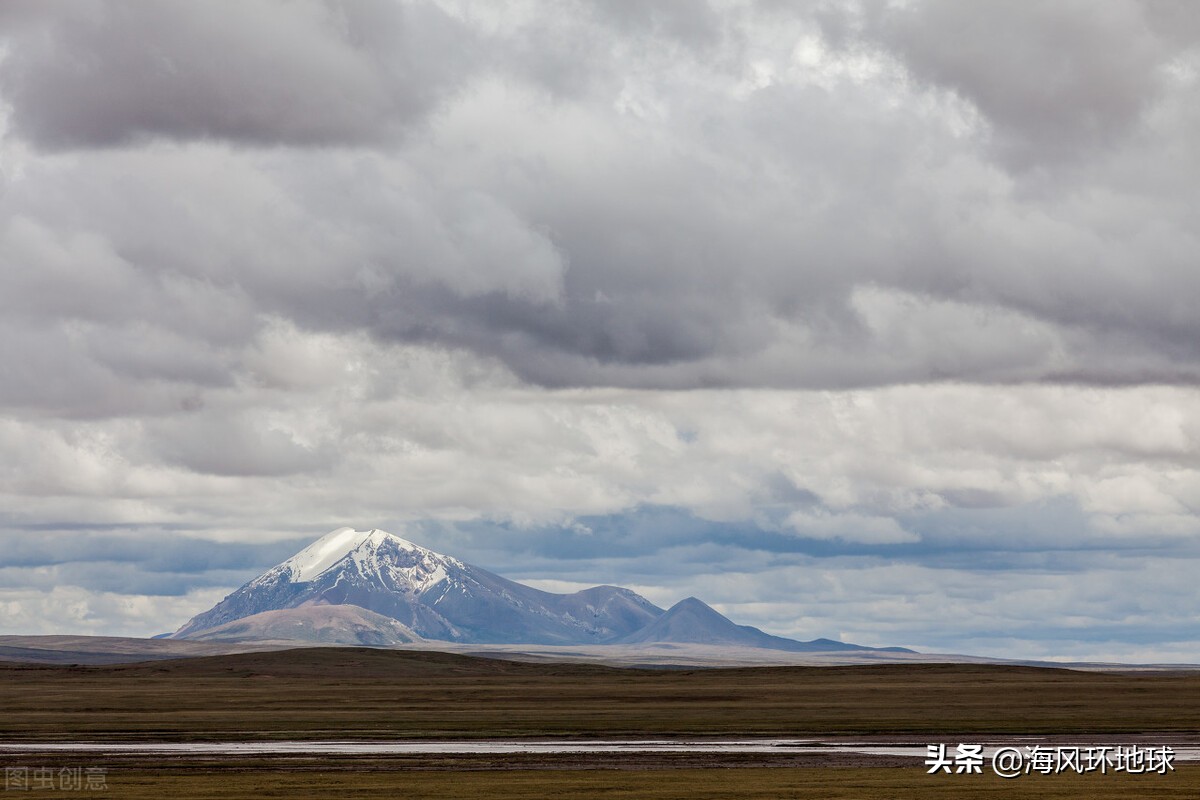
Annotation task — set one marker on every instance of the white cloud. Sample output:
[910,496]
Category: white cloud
[857,277]
[71,610]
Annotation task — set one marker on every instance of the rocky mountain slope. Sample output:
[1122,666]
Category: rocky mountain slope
[376,588]
[323,624]
[433,595]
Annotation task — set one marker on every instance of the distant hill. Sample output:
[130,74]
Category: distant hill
[326,624]
[692,621]
[376,588]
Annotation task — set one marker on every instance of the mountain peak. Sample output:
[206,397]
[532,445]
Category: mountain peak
[331,548]
[434,595]
[372,573]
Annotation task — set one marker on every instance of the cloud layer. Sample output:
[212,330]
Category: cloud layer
[889,289]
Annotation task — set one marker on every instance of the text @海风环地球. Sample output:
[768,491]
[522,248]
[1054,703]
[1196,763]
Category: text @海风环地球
[1012,762]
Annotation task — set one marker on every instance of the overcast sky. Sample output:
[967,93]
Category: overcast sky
[878,321]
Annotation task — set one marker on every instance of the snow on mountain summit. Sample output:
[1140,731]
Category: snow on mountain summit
[325,552]
[373,587]
[434,595]
[369,551]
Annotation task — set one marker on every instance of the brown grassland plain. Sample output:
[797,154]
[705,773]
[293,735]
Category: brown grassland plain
[341,693]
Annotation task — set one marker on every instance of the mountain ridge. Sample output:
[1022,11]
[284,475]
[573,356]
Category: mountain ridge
[436,596]
[692,621]
[404,592]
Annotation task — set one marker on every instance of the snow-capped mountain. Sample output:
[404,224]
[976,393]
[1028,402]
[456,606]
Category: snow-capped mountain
[375,588]
[433,595]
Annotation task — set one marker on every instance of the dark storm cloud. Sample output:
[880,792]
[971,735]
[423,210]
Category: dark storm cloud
[102,74]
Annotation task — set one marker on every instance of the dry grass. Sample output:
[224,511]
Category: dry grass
[340,693]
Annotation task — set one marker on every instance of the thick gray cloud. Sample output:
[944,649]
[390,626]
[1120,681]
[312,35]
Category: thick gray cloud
[739,200]
[1057,79]
[102,74]
[598,289]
